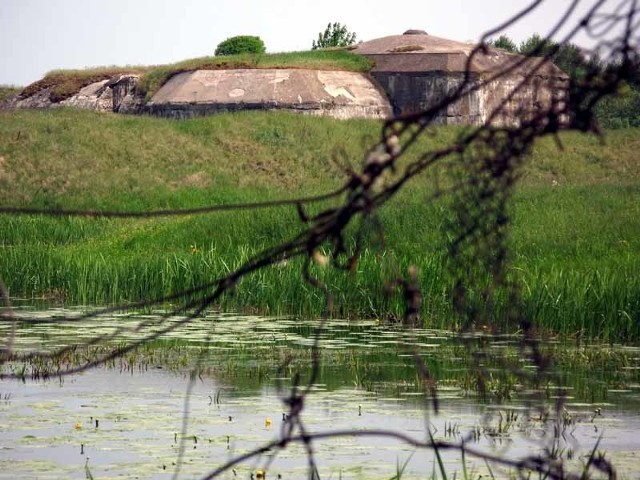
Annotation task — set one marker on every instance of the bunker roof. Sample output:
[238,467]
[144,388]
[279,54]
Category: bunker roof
[416,51]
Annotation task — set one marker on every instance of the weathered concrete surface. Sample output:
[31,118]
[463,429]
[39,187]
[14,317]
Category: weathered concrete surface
[112,95]
[124,98]
[421,52]
[315,92]
[96,96]
[39,100]
[417,71]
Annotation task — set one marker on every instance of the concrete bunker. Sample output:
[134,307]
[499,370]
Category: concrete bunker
[412,72]
[336,94]
[417,71]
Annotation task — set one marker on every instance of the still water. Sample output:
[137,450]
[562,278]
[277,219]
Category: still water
[213,388]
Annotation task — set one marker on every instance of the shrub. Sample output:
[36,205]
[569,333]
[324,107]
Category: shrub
[621,110]
[240,44]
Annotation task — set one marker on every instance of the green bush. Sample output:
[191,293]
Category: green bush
[621,110]
[240,44]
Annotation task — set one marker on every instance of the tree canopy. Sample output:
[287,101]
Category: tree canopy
[335,35]
[567,56]
[505,43]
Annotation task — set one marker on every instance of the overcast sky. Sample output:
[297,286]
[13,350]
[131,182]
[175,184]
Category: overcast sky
[37,36]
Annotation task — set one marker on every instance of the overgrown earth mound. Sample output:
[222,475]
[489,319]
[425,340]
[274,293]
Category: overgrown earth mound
[394,75]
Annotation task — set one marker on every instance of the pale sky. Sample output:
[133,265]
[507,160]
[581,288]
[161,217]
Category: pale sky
[37,36]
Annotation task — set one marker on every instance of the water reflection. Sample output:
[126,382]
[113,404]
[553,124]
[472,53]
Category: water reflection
[367,380]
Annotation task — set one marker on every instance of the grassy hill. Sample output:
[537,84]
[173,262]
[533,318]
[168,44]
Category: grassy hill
[576,216]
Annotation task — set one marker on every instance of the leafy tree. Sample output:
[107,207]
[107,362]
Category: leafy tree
[240,44]
[614,111]
[621,110]
[505,43]
[567,56]
[335,35]
[536,45]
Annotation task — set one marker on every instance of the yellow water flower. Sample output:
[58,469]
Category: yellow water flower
[261,475]
[78,425]
[267,423]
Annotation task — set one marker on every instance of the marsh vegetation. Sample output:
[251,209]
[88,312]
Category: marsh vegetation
[576,218]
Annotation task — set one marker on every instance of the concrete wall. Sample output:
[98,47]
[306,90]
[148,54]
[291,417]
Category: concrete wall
[506,101]
[185,111]
[416,92]
[512,100]
[336,94]
[341,95]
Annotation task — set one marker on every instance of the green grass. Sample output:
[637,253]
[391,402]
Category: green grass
[65,83]
[576,235]
[577,251]
[8,91]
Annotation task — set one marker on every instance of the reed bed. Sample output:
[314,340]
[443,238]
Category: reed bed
[110,268]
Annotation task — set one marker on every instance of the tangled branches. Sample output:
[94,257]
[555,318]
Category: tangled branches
[486,167]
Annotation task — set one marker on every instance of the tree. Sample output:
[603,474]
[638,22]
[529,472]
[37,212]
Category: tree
[567,56]
[504,43]
[621,110]
[536,45]
[240,44]
[335,35]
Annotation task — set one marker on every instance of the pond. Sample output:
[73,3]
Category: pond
[213,389]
